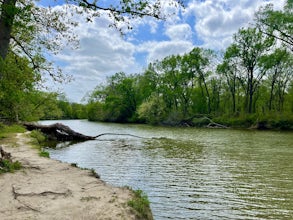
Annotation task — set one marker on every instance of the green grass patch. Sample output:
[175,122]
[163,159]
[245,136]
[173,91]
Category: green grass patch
[275,120]
[38,137]
[6,130]
[141,205]
[8,166]
[44,154]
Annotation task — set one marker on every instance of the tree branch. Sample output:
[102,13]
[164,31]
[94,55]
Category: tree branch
[122,11]
[30,56]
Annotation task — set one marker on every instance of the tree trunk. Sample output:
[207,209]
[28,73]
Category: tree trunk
[61,132]
[58,132]
[272,91]
[250,90]
[8,12]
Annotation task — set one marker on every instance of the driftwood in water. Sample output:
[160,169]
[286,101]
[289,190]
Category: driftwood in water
[59,132]
[213,124]
[203,121]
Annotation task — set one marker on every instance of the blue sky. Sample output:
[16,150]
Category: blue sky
[103,51]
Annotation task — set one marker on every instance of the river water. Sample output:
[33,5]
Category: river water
[191,173]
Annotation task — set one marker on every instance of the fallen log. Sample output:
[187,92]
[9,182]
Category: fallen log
[213,124]
[58,131]
[61,132]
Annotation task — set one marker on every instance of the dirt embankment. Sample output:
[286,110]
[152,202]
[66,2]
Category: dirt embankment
[49,189]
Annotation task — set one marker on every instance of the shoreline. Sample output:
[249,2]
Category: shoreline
[49,189]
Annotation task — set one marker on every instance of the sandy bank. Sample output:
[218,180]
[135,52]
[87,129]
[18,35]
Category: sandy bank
[49,189]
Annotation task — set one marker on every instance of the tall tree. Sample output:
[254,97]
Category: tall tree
[231,69]
[278,67]
[199,62]
[251,45]
[8,11]
[31,31]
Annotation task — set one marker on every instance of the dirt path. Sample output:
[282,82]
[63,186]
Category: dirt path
[49,189]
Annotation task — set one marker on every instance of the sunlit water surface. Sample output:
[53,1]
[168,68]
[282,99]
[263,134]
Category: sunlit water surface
[191,173]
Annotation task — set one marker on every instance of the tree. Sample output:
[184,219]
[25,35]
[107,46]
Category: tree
[250,45]
[11,11]
[116,101]
[278,67]
[16,86]
[152,110]
[30,31]
[231,70]
[147,83]
[8,11]
[198,64]
[277,24]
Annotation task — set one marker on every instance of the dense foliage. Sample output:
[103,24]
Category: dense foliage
[29,33]
[251,85]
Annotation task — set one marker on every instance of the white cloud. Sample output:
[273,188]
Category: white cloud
[217,20]
[179,32]
[160,50]
[103,51]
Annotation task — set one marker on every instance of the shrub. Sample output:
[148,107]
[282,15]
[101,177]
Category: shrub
[44,154]
[38,136]
[141,205]
[9,166]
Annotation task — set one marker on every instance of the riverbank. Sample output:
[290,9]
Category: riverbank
[49,189]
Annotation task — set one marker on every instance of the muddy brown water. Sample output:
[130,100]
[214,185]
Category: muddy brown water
[191,173]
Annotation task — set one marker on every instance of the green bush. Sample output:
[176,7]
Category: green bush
[44,154]
[38,136]
[141,205]
[8,166]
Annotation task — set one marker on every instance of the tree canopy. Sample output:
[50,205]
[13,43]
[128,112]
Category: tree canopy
[29,32]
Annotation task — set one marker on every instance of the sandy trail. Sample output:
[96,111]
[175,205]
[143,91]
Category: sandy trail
[49,189]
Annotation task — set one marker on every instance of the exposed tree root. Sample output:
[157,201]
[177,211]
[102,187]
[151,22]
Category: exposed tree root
[15,196]
[45,193]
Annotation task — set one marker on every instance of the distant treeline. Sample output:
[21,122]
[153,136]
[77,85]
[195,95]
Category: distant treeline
[249,84]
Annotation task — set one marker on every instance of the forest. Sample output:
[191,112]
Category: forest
[250,84]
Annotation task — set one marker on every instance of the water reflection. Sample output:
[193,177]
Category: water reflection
[194,173]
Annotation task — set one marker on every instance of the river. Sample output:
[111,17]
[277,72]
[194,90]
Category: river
[191,173]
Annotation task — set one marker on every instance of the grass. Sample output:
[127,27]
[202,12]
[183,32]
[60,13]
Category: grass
[276,121]
[38,139]
[7,133]
[44,154]
[141,205]
[92,170]
[7,130]
[8,166]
